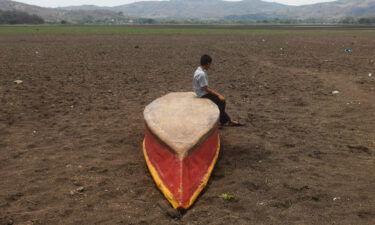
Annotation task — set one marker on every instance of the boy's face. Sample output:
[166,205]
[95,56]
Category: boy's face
[206,67]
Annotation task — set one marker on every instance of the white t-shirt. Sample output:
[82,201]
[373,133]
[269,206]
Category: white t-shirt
[200,80]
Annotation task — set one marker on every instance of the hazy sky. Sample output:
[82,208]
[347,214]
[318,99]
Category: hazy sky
[57,3]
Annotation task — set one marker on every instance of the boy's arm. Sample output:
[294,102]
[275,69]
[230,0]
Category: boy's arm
[209,90]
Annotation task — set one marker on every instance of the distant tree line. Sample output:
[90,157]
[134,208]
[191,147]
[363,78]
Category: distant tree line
[19,17]
[252,19]
[87,20]
[356,20]
[345,20]
[267,19]
[242,21]
[91,20]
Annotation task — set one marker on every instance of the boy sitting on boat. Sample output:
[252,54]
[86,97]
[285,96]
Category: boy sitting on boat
[200,86]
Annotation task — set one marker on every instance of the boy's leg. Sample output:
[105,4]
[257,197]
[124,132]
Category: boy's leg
[224,117]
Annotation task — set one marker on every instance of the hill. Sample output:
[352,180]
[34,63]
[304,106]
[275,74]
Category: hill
[201,9]
[250,9]
[19,17]
[71,16]
[46,13]
[85,7]
[336,9]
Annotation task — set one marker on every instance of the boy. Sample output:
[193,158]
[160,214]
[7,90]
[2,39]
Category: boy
[200,86]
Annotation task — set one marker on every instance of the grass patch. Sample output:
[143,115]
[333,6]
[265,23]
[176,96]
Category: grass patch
[182,29]
[226,196]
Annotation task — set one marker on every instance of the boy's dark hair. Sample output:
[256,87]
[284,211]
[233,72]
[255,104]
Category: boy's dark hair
[205,60]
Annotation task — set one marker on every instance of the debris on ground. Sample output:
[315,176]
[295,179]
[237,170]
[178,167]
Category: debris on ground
[80,189]
[18,81]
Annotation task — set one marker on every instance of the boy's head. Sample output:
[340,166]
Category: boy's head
[206,61]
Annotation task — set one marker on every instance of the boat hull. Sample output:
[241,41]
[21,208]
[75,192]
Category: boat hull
[181,179]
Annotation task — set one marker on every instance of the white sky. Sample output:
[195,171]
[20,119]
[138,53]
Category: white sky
[58,3]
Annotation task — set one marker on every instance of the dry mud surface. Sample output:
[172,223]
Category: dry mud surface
[71,133]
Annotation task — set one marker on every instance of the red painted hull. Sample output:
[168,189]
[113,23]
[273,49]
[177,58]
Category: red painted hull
[181,179]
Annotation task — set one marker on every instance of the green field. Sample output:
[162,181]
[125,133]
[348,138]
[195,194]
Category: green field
[182,29]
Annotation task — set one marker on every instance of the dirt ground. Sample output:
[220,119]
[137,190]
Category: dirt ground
[71,133]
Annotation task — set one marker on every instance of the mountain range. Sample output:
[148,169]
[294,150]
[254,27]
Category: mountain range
[201,9]
[336,9]
[72,16]
[215,9]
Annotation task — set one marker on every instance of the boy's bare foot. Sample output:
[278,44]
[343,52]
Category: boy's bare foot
[234,123]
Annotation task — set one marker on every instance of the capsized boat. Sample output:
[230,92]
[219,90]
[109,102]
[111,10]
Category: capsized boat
[181,145]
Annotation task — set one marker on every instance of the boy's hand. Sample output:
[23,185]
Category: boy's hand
[209,90]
